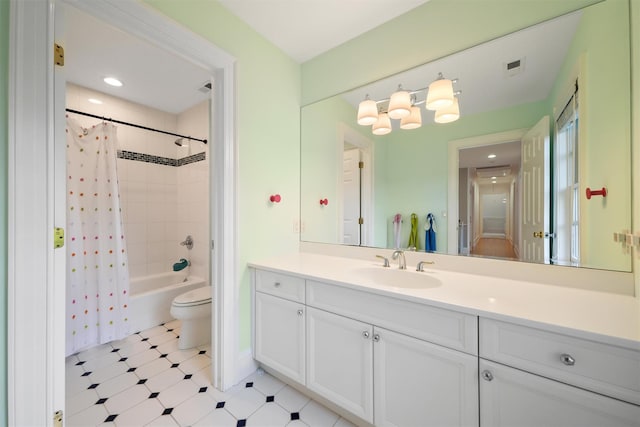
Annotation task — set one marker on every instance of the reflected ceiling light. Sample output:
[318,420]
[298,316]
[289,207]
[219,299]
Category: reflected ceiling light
[94,101]
[399,104]
[413,120]
[112,81]
[367,112]
[440,94]
[448,114]
[382,126]
[491,156]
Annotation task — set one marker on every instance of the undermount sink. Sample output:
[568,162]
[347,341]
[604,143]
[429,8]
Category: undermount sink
[394,277]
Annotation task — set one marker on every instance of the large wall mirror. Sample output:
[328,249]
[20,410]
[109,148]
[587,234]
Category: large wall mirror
[544,115]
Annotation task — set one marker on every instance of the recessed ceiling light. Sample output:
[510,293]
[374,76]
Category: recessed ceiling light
[491,156]
[494,182]
[494,177]
[112,81]
[95,101]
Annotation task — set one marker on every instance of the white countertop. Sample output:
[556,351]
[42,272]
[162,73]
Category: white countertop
[605,317]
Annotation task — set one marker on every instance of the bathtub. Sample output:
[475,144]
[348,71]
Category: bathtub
[151,296]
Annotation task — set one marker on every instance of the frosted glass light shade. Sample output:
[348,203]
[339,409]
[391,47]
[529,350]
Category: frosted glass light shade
[440,94]
[382,126]
[400,104]
[367,112]
[413,120]
[448,114]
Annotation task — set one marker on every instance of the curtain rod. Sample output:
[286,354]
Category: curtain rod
[204,141]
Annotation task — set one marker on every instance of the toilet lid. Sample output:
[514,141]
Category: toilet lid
[194,297]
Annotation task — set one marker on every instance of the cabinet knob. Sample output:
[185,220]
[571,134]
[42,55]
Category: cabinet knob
[567,359]
[276,284]
[376,337]
[365,334]
[487,375]
[300,312]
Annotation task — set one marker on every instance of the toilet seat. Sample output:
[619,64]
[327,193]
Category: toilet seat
[195,297]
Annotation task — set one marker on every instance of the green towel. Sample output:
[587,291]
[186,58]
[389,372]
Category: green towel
[413,236]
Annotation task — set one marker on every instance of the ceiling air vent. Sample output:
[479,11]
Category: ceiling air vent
[514,67]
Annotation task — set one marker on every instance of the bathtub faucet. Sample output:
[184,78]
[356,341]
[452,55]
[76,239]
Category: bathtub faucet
[188,242]
[181,265]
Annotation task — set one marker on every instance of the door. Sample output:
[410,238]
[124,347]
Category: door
[535,193]
[510,397]
[351,186]
[279,335]
[418,383]
[339,361]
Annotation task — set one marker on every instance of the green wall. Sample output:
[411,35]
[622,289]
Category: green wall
[268,133]
[4,69]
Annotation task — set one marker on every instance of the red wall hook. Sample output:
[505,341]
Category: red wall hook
[591,192]
[324,202]
[275,198]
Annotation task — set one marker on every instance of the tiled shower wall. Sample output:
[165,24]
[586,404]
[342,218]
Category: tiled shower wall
[161,203]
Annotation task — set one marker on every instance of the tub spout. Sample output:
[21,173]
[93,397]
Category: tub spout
[181,265]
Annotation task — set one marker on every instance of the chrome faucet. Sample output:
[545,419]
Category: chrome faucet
[402,262]
[420,266]
[188,242]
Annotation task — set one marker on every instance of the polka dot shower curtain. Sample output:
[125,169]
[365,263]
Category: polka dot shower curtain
[97,272]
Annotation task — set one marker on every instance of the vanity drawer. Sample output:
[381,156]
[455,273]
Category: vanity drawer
[281,285]
[607,369]
[448,328]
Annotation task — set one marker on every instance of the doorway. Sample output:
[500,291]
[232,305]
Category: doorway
[36,337]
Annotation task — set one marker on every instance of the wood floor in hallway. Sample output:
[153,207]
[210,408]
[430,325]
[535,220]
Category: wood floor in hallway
[494,247]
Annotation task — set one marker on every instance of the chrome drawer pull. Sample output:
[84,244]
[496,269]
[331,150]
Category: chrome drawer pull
[365,334]
[567,359]
[487,375]
[276,284]
[300,312]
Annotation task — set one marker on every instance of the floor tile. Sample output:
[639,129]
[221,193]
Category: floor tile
[152,332]
[291,399]
[142,358]
[266,384]
[178,393]
[217,418]
[344,423]
[76,384]
[243,401]
[194,364]
[269,415]
[141,414]
[127,399]
[296,423]
[81,401]
[193,410]
[116,384]
[164,380]
[93,415]
[178,356]
[164,421]
[100,362]
[316,415]
[163,338]
[153,368]
[105,373]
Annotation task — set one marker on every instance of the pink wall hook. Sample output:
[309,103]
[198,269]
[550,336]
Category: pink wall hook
[591,192]
[324,202]
[275,198]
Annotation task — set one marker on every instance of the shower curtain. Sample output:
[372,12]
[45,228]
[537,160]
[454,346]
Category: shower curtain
[97,271]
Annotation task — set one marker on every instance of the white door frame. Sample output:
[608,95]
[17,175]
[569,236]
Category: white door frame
[35,298]
[454,148]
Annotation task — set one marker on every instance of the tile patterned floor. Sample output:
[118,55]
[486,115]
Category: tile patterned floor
[144,380]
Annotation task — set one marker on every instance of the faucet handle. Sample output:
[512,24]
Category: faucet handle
[422,263]
[386,260]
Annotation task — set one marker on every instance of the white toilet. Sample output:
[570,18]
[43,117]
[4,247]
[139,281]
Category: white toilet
[193,309]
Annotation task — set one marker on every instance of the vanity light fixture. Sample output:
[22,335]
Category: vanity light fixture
[440,94]
[112,81]
[403,106]
[400,104]
[367,112]
[448,114]
[382,126]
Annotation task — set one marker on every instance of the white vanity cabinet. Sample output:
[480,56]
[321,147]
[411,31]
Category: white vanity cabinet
[360,356]
[534,377]
[279,318]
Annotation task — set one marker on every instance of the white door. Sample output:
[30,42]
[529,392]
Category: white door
[510,397]
[422,384]
[535,194]
[351,197]
[279,335]
[339,361]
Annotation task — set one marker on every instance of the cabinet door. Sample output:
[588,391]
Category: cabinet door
[339,361]
[279,335]
[510,397]
[422,384]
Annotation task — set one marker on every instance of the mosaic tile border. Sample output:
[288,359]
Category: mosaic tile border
[158,160]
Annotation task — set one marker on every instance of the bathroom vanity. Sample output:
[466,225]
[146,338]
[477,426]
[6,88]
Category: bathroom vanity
[440,348]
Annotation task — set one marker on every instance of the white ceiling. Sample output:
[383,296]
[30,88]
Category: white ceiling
[304,29]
